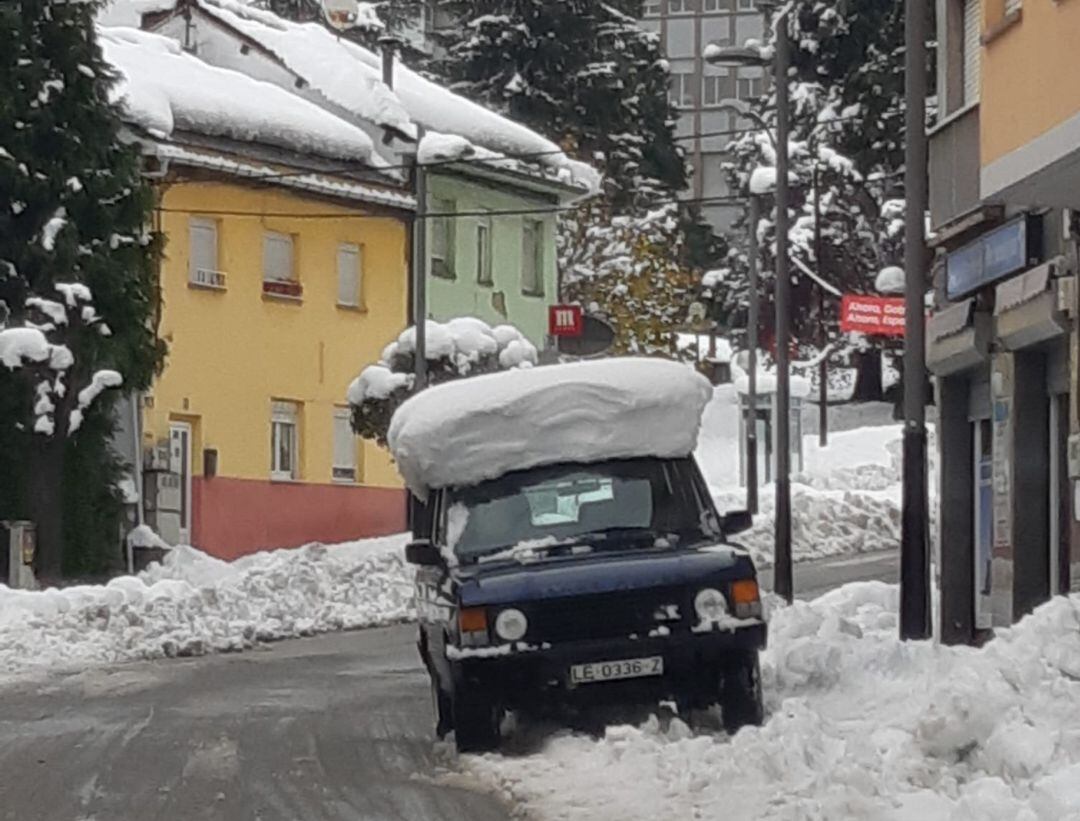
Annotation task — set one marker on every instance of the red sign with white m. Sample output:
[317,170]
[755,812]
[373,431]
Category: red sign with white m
[872,315]
[565,320]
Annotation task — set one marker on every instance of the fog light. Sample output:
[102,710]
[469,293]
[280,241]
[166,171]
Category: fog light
[511,625]
[710,605]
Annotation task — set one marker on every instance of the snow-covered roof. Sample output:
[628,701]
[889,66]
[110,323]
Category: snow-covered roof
[471,430]
[164,89]
[350,76]
[324,60]
[130,12]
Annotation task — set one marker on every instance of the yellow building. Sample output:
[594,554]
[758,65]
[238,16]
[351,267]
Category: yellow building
[284,272]
[1004,189]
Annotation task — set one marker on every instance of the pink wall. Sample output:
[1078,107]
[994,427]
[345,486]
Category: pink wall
[233,517]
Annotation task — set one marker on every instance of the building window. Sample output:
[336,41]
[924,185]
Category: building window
[713,89]
[203,254]
[681,6]
[350,271]
[747,5]
[483,252]
[710,5]
[443,231]
[344,468]
[972,49]
[682,90]
[284,441]
[652,8]
[749,88]
[532,258]
[278,257]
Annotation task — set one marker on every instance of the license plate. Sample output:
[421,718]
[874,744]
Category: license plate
[615,670]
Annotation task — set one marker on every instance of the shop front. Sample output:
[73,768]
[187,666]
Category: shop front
[998,346]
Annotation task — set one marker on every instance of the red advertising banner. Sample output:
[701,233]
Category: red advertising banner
[565,320]
[872,315]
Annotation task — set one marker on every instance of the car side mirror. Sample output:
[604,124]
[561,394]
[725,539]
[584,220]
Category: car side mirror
[423,553]
[738,521]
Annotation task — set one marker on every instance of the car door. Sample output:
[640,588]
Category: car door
[435,603]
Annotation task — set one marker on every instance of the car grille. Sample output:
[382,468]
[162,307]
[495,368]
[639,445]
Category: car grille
[603,616]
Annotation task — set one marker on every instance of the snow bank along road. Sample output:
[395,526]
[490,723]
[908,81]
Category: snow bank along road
[861,726]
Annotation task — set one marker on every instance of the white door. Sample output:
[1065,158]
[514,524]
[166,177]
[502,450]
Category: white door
[180,464]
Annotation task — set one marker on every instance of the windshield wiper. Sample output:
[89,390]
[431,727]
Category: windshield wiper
[636,534]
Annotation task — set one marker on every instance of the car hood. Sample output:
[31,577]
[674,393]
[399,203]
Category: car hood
[599,573]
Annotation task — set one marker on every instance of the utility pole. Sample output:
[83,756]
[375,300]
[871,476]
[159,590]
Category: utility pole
[420,267]
[823,337]
[914,542]
[783,581]
[751,361]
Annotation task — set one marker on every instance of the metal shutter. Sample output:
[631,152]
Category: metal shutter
[972,49]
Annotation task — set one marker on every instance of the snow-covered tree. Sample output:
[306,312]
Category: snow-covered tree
[456,349]
[626,270]
[847,136]
[582,72]
[590,77]
[77,274]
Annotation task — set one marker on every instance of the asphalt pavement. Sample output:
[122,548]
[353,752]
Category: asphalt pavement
[334,728]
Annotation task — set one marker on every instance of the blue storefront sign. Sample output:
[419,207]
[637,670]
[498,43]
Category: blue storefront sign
[992,257]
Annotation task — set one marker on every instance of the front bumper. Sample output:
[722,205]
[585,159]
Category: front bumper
[693,664]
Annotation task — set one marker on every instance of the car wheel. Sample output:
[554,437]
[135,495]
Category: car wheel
[477,720]
[443,709]
[741,698]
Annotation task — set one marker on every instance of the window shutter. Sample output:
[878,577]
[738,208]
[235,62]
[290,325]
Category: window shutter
[277,257]
[972,49]
[1013,5]
[203,240]
[349,265]
[344,468]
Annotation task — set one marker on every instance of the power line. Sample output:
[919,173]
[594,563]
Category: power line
[492,162]
[558,209]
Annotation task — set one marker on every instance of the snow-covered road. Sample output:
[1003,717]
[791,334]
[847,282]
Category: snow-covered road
[324,729]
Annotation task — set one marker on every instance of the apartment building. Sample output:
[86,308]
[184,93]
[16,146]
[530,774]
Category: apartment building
[1002,341]
[698,90]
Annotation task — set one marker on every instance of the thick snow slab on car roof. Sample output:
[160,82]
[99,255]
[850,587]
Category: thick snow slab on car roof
[163,89]
[465,432]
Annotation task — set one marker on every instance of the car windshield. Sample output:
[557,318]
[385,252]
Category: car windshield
[628,504]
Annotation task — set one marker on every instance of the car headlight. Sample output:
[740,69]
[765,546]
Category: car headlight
[511,625]
[710,605]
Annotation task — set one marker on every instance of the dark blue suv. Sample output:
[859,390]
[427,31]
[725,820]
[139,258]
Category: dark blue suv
[576,584]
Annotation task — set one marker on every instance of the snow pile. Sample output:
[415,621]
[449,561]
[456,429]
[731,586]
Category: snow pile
[861,725]
[467,431]
[465,343]
[164,89]
[891,280]
[846,500]
[194,604]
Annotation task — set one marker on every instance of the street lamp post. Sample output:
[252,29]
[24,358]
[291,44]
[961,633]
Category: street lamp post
[746,56]
[752,322]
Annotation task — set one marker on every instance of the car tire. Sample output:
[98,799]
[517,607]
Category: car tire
[741,699]
[477,723]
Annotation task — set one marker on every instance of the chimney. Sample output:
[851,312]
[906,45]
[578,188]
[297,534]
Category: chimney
[389,44]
